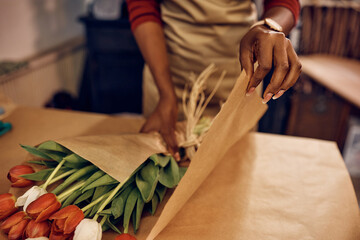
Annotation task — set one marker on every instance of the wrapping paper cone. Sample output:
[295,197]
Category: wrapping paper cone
[117,155]
[237,116]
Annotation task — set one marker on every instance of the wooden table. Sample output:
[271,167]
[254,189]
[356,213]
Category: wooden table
[340,75]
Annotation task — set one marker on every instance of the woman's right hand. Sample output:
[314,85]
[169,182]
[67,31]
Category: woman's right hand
[163,120]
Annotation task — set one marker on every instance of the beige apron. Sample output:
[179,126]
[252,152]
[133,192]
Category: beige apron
[198,33]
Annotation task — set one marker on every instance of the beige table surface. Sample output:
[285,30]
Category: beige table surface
[267,187]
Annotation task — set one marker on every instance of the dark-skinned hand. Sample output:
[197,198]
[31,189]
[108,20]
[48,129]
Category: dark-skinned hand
[163,120]
[270,49]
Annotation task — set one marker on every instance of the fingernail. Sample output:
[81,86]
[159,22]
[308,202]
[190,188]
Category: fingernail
[279,94]
[250,92]
[267,98]
[177,156]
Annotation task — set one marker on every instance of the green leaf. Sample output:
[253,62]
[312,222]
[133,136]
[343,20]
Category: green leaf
[53,146]
[49,164]
[161,191]
[75,161]
[118,204]
[38,176]
[44,174]
[56,156]
[146,180]
[169,175]
[95,208]
[37,162]
[129,207]
[86,195]
[106,212]
[93,177]
[160,159]
[73,177]
[35,152]
[154,204]
[101,190]
[111,225]
[70,199]
[130,181]
[182,171]
[102,181]
[137,213]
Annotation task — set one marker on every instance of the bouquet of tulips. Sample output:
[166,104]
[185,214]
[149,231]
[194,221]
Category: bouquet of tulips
[86,193]
[80,196]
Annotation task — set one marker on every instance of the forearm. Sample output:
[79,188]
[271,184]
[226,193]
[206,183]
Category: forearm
[151,41]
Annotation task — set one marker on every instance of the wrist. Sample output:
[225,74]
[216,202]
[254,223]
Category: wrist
[268,23]
[282,16]
[169,97]
[166,90]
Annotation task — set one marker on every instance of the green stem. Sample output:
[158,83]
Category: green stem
[87,212]
[103,220]
[73,177]
[93,203]
[112,194]
[65,194]
[53,174]
[61,176]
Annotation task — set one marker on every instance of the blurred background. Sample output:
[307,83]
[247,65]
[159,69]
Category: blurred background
[81,55]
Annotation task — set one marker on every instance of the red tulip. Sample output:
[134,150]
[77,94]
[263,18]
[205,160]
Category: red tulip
[7,205]
[15,225]
[66,220]
[58,235]
[125,236]
[34,229]
[15,173]
[42,208]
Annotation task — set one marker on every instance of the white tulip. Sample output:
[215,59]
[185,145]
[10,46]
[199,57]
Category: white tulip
[31,195]
[38,238]
[88,229]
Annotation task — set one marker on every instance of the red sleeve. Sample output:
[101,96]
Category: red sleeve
[292,5]
[141,11]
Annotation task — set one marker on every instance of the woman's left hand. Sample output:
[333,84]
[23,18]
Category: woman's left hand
[270,48]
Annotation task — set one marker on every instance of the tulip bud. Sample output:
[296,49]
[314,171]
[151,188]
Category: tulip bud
[124,236]
[15,225]
[43,207]
[15,173]
[7,205]
[58,235]
[66,220]
[34,229]
[88,229]
[31,195]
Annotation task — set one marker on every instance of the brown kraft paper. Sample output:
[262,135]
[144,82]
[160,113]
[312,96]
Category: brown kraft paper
[258,187]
